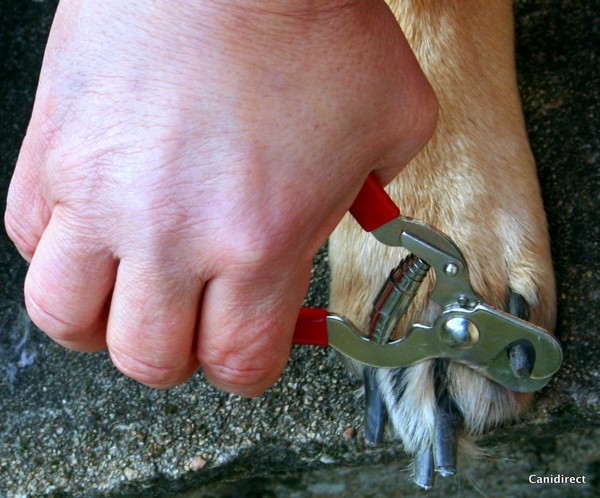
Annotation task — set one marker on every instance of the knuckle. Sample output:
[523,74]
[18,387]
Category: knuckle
[52,323]
[428,117]
[241,376]
[425,116]
[259,250]
[418,121]
[150,372]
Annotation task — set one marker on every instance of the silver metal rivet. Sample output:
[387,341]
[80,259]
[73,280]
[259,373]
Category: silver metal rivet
[451,269]
[458,332]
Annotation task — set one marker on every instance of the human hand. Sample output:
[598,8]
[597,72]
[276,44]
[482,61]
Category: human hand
[184,162]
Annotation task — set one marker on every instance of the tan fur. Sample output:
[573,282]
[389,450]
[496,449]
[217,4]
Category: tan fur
[475,181]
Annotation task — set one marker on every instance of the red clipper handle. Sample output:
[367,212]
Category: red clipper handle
[372,207]
[311,328]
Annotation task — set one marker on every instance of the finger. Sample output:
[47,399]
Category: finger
[27,213]
[152,322]
[245,329]
[68,284]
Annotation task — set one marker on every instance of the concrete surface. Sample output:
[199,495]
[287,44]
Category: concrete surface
[72,426]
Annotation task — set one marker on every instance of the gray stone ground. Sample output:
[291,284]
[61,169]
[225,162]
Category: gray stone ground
[71,426]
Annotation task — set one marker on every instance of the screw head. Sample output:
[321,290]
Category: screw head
[451,269]
[458,332]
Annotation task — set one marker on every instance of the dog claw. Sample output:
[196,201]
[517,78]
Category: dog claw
[448,423]
[424,474]
[522,359]
[518,306]
[521,356]
[375,411]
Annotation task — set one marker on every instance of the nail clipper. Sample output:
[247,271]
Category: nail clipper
[466,330]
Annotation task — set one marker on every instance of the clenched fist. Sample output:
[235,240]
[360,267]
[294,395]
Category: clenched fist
[184,162]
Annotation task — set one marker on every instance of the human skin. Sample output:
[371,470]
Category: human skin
[184,162]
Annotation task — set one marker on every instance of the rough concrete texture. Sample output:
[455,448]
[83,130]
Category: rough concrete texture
[72,426]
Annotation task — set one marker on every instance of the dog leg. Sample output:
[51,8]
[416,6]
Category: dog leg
[475,181]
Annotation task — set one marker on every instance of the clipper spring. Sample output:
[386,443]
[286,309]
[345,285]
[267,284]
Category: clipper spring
[395,297]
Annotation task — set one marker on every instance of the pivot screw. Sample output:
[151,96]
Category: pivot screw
[458,332]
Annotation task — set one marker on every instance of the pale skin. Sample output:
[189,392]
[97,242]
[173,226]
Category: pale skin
[184,162]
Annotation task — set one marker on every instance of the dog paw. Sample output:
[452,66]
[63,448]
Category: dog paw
[476,182]
[438,407]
